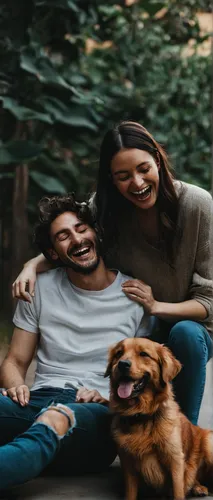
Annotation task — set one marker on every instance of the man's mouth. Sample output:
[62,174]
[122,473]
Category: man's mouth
[129,388]
[81,251]
[142,194]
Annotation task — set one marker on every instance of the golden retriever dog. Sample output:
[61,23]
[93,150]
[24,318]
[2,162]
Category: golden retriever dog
[155,440]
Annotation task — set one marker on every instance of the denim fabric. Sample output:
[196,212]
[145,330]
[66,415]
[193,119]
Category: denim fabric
[27,455]
[192,346]
[88,448]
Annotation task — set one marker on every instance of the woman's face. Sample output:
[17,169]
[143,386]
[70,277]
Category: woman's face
[136,176]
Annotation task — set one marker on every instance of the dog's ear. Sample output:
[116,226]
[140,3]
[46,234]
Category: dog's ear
[170,366]
[110,360]
[108,370]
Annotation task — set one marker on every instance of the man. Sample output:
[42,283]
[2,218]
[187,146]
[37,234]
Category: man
[78,311]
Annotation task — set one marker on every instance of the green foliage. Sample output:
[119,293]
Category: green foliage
[19,152]
[66,95]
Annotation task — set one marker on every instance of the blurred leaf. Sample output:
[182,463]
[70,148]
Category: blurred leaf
[19,152]
[59,4]
[56,165]
[6,175]
[47,183]
[109,10]
[23,113]
[75,116]
[44,70]
[153,6]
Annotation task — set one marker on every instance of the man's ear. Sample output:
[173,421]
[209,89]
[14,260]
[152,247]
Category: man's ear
[170,366]
[52,253]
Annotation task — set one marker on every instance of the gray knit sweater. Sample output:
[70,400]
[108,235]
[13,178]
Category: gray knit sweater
[191,276]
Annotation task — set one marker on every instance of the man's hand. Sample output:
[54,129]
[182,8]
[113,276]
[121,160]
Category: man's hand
[85,395]
[19,394]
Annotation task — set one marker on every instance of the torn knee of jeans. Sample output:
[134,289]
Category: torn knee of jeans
[61,409]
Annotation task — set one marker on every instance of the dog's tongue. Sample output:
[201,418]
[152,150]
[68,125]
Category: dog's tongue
[125,389]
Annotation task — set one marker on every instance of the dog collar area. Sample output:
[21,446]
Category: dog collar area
[138,418]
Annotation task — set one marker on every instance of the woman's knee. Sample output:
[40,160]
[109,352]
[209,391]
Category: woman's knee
[190,337]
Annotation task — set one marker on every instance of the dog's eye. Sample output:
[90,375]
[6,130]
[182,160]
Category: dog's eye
[144,354]
[118,354]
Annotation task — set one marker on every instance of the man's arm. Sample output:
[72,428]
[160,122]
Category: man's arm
[16,363]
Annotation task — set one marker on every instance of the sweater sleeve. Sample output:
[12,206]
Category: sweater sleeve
[202,280]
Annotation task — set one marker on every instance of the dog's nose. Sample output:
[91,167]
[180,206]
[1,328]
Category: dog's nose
[124,365]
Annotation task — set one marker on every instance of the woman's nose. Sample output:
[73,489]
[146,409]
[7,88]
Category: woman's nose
[138,181]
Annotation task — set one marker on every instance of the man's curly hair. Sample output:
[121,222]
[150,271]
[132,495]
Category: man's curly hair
[52,207]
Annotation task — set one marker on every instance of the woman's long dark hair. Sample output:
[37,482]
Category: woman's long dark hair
[111,205]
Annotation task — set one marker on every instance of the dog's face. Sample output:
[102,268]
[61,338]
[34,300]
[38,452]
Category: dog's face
[140,371]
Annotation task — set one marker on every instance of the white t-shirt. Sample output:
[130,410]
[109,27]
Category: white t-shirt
[76,327]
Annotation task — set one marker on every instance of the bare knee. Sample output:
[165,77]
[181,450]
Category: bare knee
[60,421]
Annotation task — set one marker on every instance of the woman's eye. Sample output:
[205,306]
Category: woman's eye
[145,170]
[123,179]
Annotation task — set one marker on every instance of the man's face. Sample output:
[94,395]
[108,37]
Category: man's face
[74,243]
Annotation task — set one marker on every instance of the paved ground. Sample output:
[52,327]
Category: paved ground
[104,486]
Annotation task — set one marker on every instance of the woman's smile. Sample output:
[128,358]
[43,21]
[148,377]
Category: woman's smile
[144,193]
[136,176]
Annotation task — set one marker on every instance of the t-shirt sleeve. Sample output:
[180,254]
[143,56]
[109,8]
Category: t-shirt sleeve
[202,280]
[26,316]
[146,326]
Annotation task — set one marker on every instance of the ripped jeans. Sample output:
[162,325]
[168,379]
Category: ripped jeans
[26,449]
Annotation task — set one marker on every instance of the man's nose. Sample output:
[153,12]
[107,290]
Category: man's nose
[76,238]
[124,365]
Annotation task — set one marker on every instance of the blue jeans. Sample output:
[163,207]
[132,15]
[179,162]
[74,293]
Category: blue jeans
[27,455]
[89,448]
[192,346]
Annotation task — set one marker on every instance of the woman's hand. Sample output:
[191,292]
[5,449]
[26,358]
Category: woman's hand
[85,395]
[23,286]
[138,291]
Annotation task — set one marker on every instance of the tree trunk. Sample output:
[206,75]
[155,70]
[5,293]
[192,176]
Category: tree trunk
[20,235]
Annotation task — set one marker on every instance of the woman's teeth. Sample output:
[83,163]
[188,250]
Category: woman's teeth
[143,192]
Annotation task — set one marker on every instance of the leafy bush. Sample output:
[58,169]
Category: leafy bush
[65,93]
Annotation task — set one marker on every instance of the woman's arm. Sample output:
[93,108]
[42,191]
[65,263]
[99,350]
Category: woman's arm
[138,291]
[23,286]
[189,309]
[199,303]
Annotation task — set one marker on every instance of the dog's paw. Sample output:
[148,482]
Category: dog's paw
[199,490]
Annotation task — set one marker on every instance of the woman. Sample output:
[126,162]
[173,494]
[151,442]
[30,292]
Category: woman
[161,232]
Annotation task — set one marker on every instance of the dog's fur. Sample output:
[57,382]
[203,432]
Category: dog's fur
[155,440]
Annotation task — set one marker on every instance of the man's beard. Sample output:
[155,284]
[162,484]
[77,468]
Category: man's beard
[79,268]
